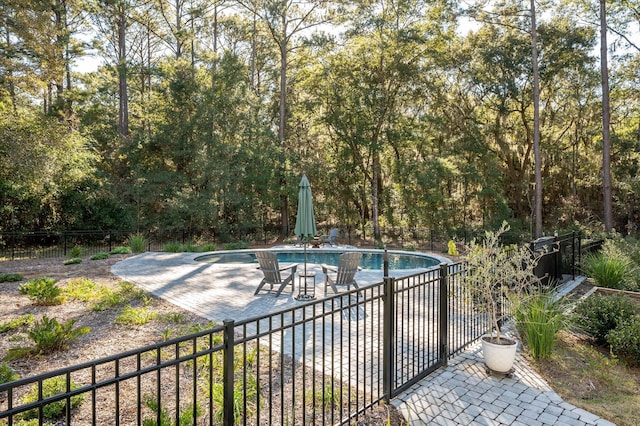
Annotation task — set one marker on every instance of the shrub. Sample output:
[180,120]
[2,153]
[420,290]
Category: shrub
[625,340]
[138,243]
[452,250]
[51,387]
[4,278]
[49,335]
[597,315]
[7,374]
[72,261]
[42,291]
[121,250]
[100,256]
[15,323]
[235,246]
[76,251]
[207,247]
[135,316]
[166,419]
[538,318]
[173,247]
[606,271]
[84,289]
[108,299]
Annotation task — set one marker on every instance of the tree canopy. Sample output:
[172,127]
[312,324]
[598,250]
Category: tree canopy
[205,113]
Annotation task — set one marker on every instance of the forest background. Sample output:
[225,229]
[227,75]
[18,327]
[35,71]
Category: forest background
[204,114]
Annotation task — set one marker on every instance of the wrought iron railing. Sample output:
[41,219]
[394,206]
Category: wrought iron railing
[324,362]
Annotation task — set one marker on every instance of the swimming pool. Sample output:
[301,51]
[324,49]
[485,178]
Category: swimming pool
[370,259]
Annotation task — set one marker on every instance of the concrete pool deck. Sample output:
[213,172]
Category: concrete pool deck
[459,394]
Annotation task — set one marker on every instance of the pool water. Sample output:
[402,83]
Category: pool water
[370,260]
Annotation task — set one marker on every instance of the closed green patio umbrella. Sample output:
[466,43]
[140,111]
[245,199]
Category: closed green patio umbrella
[305,220]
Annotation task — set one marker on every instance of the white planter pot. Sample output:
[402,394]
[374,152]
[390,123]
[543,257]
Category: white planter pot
[499,357]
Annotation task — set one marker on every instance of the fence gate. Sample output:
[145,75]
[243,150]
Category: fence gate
[416,323]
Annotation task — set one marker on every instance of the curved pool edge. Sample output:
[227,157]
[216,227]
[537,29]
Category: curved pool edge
[197,257]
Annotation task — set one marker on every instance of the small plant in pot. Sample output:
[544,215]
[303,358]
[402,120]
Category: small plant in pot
[496,274]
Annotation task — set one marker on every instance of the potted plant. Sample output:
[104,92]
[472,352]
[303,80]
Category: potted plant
[496,274]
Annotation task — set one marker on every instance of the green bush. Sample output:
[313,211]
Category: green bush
[606,271]
[625,340]
[107,299]
[72,261]
[42,291]
[173,247]
[76,251]
[135,316]
[100,256]
[538,318]
[207,247]
[166,419]
[121,250]
[138,243]
[15,323]
[4,278]
[49,335]
[597,315]
[238,245]
[51,387]
[7,374]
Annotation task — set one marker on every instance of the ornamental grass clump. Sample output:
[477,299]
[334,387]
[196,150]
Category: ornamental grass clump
[539,317]
[611,268]
[138,243]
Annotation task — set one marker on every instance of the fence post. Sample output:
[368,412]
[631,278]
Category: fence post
[444,314]
[64,238]
[573,255]
[228,417]
[388,346]
[579,248]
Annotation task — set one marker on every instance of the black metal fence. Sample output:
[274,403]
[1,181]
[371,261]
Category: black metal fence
[325,362]
[47,244]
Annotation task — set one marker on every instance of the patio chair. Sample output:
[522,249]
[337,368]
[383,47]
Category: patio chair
[344,273]
[269,265]
[331,238]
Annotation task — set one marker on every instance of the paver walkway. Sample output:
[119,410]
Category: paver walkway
[464,394]
[460,394]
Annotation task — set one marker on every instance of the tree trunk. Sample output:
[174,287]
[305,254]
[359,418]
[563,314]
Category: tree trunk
[284,199]
[536,124]
[606,138]
[123,105]
[375,196]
